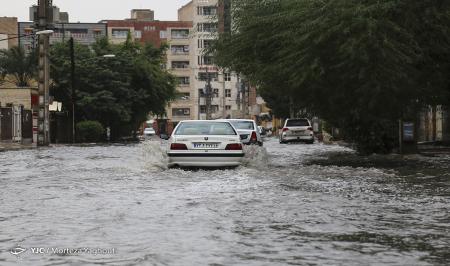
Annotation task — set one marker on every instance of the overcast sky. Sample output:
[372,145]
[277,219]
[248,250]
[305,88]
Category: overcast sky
[96,10]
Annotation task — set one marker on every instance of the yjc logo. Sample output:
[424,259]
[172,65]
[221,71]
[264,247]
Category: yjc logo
[18,250]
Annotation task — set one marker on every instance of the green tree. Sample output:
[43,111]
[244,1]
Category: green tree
[20,67]
[361,65]
[118,92]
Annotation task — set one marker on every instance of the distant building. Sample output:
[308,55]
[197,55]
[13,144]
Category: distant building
[8,29]
[179,56]
[83,33]
[143,14]
[228,99]
[57,15]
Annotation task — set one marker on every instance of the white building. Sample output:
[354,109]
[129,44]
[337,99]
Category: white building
[203,14]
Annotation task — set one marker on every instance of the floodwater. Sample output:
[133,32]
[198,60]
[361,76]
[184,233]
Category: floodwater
[290,204]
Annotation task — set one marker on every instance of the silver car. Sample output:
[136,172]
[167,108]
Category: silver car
[248,130]
[297,129]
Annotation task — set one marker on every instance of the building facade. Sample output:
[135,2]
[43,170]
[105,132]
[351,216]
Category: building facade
[176,34]
[8,29]
[229,96]
[82,33]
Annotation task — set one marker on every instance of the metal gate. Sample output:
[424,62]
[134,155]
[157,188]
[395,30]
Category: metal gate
[17,123]
[6,115]
[27,124]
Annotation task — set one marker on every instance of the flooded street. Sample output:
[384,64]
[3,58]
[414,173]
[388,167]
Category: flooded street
[287,205]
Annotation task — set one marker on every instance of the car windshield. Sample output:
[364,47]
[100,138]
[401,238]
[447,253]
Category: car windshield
[297,123]
[243,125]
[205,128]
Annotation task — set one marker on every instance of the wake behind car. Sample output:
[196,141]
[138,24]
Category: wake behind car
[247,129]
[298,129]
[196,143]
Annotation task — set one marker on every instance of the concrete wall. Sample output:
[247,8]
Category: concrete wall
[186,12]
[8,26]
[16,96]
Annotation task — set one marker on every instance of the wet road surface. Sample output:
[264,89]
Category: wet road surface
[288,205]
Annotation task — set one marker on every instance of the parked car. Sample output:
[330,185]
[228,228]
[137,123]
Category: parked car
[149,132]
[297,129]
[247,129]
[196,143]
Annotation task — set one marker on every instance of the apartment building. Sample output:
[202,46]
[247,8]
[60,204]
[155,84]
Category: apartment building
[8,29]
[83,33]
[226,98]
[142,28]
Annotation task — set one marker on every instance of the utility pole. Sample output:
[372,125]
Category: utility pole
[238,87]
[223,96]
[208,96]
[72,85]
[244,105]
[43,19]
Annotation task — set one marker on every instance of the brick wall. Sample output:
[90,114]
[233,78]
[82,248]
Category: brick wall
[150,30]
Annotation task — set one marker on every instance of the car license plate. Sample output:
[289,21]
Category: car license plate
[206,145]
[297,132]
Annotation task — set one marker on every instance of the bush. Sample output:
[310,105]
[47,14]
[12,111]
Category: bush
[89,131]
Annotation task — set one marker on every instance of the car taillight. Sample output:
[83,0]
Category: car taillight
[253,137]
[178,146]
[285,129]
[234,147]
[310,128]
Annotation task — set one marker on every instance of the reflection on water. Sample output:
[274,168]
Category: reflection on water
[287,204]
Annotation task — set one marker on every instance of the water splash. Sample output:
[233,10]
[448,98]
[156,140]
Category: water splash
[255,157]
[154,155]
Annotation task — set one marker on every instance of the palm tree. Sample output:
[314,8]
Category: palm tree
[17,66]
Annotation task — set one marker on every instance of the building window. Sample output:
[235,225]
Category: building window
[216,93]
[201,93]
[207,27]
[181,112]
[208,60]
[138,34]
[227,77]
[214,109]
[180,64]
[203,76]
[227,107]
[163,34]
[204,43]
[183,80]
[97,33]
[227,93]
[180,49]
[207,43]
[180,34]
[206,10]
[205,60]
[184,96]
[118,33]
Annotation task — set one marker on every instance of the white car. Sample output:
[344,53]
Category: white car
[201,143]
[149,132]
[297,129]
[247,129]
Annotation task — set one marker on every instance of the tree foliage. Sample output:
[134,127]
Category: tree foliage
[361,65]
[118,92]
[17,66]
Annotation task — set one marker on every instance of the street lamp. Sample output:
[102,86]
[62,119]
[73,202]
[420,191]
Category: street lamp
[44,32]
